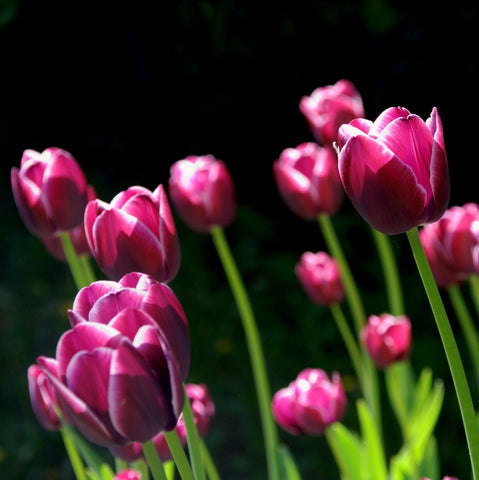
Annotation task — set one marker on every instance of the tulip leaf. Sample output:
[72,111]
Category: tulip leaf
[375,457]
[347,449]
[289,469]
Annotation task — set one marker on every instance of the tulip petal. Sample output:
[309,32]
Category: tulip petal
[129,320]
[109,305]
[88,296]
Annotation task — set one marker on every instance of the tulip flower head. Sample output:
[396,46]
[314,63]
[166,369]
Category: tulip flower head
[202,192]
[395,169]
[310,403]
[135,232]
[329,107]
[387,339]
[128,474]
[129,340]
[203,410]
[308,180]
[320,278]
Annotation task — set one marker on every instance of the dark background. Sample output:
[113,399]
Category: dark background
[129,89]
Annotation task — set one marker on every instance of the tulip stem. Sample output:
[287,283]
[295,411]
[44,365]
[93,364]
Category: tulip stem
[193,440]
[73,455]
[179,455]
[474,285]
[209,463]
[255,351]
[153,460]
[463,393]
[82,274]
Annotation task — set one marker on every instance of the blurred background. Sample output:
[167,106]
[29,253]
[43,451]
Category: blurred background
[130,88]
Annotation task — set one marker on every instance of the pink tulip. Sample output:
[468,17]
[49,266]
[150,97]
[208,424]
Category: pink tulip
[387,339]
[395,170]
[329,107]
[50,191]
[135,232]
[308,180]
[128,474]
[202,192]
[310,403]
[203,410]
[454,240]
[129,340]
[320,278]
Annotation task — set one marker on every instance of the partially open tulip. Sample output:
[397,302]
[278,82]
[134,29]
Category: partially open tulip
[320,278]
[203,410]
[453,242]
[135,232]
[202,192]
[395,169]
[310,403]
[328,107]
[50,191]
[387,338]
[128,474]
[308,180]
[119,371]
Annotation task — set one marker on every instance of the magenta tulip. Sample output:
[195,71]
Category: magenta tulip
[135,232]
[387,338]
[320,278]
[128,474]
[50,191]
[308,180]
[119,370]
[395,170]
[310,403]
[202,192]
[329,107]
[203,410]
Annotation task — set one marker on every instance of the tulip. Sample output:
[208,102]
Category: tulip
[128,474]
[387,339]
[395,170]
[119,371]
[50,191]
[203,410]
[320,278]
[134,233]
[310,403]
[329,107]
[202,192]
[307,178]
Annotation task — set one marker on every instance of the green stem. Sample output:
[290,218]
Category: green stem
[474,284]
[193,440]
[349,340]
[209,463]
[467,325]
[450,347]
[80,275]
[73,455]
[390,271]
[255,351]
[153,460]
[179,455]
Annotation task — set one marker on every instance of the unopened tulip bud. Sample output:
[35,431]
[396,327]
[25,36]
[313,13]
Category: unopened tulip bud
[128,474]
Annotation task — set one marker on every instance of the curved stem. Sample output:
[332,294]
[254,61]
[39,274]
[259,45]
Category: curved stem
[474,284]
[179,455]
[73,455]
[255,350]
[209,463]
[153,460]
[450,347]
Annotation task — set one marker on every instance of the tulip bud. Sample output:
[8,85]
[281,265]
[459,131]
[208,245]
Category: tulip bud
[320,278]
[308,180]
[129,340]
[134,233]
[329,107]
[128,474]
[202,192]
[387,339]
[395,170]
[310,403]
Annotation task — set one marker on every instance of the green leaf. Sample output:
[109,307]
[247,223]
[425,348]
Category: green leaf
[289,469]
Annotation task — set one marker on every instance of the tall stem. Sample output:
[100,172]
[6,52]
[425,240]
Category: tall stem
[153,460]
[73,455]
[450,347]
[255,350]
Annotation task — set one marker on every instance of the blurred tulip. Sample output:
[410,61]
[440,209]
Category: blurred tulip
[308,180]
[395,170]
[203,412]
[387,339]
[320,278]
[129,340]
[135,232]
[128,475]
[50,191]
[452,242]
[329,107]
[202,192]
[310,403]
